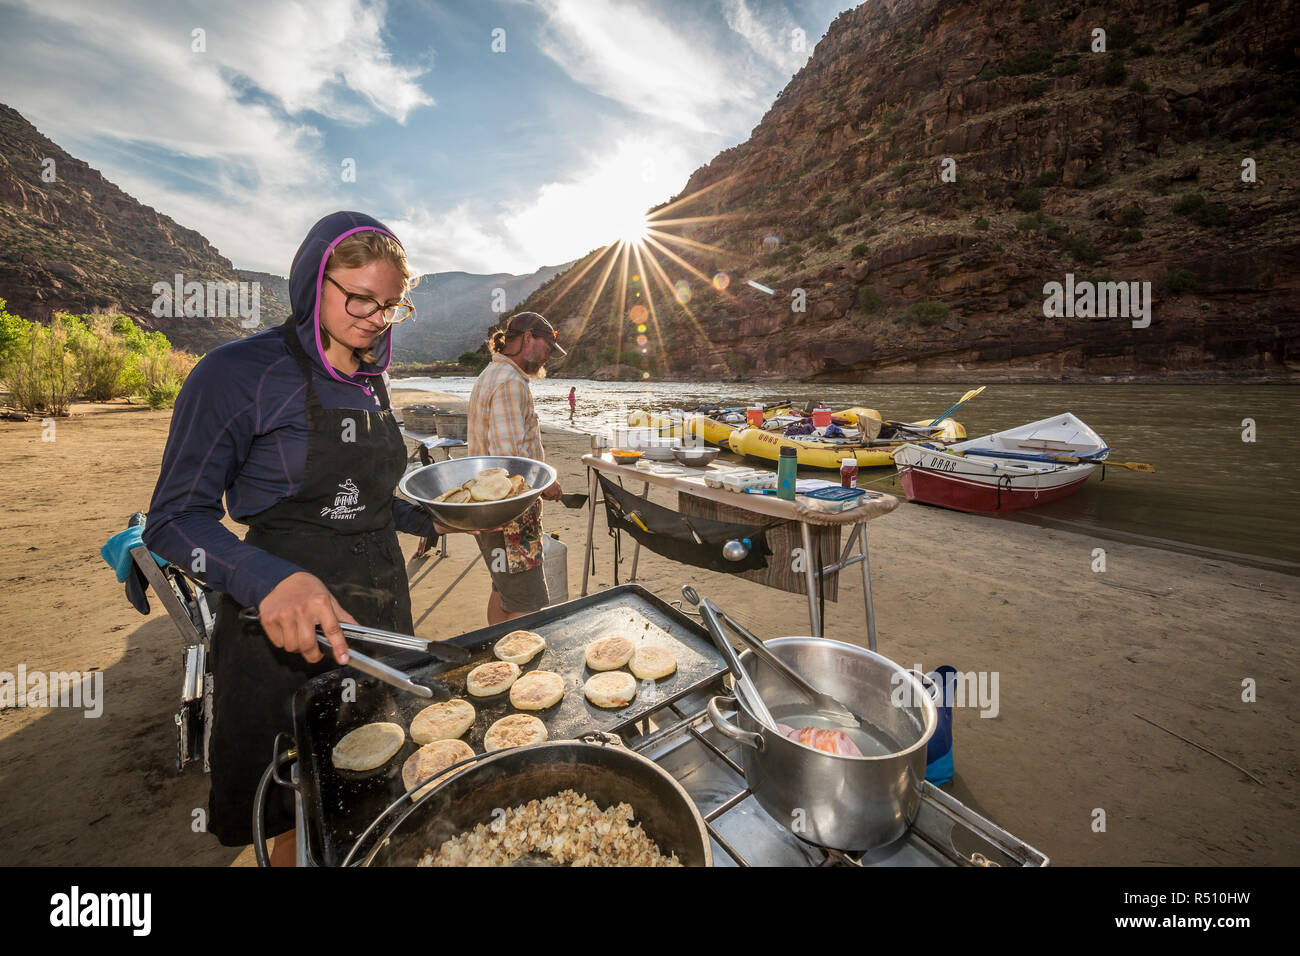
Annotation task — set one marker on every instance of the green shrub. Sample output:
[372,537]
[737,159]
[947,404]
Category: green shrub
[981,223]
[925,313]
[859,250]
[1131,215]
[1131,235]
[100,358]
[1143,49]
[473,360]
[1194,206]
[846,214]
[164,371]
[39,369]
[1206,35]
[1114,72]
[1027,199]
[12,331]
[902,169]
[1029,13]
[1066,68]
[1079,245]
[891,118]
[1048,177]
[1034,221]
[1036,61]
[823,240]
[1139,86]
[1120,36]
[1093,176]
[1180,280]
[1037,88]
[868,300]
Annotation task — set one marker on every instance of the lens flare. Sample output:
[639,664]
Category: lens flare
[721,281]
[642,340]
[638,314]
[682,291]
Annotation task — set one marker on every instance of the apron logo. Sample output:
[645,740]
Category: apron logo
[345,502]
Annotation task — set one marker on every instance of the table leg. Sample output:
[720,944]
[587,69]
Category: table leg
[866,588]
[636,551]
[588,556]
[810,577]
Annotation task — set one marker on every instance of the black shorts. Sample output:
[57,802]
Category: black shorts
[522,592]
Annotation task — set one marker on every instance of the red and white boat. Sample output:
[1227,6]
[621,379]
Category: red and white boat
[1005,471]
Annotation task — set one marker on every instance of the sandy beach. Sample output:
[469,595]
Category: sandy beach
[1078,655]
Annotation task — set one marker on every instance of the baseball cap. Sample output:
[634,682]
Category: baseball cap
[538,325]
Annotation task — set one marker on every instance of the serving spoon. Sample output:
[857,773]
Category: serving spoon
[825,704]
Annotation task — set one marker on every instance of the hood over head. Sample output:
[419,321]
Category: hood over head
[306,276]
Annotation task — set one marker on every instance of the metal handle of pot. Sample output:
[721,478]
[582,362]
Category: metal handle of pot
[926,679]
[728,729]
[272,774]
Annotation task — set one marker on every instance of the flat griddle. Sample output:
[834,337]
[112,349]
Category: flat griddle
[338,805]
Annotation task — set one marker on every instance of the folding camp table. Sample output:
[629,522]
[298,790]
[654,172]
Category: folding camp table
[690,481]
[425,446]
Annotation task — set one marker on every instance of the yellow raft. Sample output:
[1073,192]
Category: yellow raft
[695,425]
[819,453]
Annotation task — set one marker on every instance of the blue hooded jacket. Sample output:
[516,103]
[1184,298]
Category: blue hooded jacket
[239,429]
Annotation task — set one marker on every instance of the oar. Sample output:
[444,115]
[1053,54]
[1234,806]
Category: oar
[964,399]
[993,453]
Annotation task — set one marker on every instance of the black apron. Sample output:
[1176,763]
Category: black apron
[339,527]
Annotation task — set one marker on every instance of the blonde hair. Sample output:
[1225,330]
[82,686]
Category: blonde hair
[361,249]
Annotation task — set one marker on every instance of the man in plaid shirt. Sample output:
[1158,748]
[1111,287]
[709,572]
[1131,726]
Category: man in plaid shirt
[502,421]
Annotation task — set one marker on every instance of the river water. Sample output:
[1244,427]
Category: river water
[1212,492]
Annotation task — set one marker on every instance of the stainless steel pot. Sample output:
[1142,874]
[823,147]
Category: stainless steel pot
[604,771]
[847,803]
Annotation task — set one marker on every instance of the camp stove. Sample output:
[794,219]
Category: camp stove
[680,738]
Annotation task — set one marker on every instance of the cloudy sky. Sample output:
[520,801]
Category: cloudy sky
[492,135]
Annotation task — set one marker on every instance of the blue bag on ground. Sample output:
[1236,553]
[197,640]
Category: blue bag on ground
[938,752]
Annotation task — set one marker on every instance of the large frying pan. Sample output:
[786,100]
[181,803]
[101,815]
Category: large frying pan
[606,772]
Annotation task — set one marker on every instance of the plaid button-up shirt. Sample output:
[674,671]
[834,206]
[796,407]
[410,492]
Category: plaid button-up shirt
[502,420]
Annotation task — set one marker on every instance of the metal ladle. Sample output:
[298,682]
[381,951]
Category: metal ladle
[824,703]
[709,614]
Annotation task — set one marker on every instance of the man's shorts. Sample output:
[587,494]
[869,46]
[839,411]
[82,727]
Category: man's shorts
[521,593]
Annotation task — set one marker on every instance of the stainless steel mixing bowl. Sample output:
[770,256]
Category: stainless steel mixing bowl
[424,484]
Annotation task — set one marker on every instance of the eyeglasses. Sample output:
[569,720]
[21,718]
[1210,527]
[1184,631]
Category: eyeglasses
[364,306]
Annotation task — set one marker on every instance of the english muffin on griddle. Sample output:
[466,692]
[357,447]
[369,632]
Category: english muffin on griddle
[443,721]
[609,653]
[537,690]
[368,747]
[515,730]
[494,677]
[610,689]
[652,661]
[519,647]
[430,759]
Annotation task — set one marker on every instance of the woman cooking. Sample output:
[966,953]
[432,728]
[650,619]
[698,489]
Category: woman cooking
[293,427]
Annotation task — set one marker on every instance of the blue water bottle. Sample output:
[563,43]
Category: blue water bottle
[786,466]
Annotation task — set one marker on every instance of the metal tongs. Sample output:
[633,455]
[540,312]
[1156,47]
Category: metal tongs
[438,650]
[712,615]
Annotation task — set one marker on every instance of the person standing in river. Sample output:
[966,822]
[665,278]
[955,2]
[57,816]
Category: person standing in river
[573,401]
